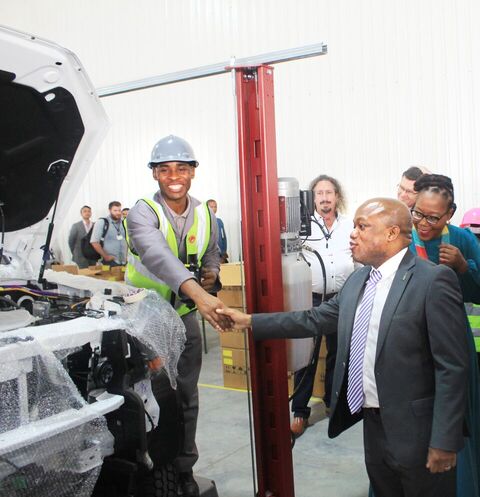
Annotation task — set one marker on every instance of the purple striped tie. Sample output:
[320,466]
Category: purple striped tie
[358,342]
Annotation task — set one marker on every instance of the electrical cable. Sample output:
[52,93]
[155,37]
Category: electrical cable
[149,418]
[35,293]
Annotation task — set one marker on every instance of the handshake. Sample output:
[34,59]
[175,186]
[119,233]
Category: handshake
[212,309]
[221,317]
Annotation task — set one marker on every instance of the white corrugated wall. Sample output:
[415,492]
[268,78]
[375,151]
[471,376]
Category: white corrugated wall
[400,86]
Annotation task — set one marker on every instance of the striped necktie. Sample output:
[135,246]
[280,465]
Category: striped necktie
[357,346]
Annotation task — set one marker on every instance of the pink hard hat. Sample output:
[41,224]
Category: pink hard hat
[471,217]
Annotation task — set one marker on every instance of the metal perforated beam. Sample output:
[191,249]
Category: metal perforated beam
[214,69]
[263,276]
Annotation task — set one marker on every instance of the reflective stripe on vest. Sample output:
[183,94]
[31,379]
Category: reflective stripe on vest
[473,313]
[196,244]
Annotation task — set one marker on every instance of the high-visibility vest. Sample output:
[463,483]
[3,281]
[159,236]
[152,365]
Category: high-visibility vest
[473,313]
[196,242]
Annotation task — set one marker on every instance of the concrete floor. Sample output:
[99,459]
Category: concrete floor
[323,467]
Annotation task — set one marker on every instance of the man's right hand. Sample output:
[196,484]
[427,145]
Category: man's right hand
[207,306]
[108,258]
[239,319]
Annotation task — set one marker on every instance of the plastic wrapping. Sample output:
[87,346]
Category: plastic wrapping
[51,441]
[18,269]
[154,322]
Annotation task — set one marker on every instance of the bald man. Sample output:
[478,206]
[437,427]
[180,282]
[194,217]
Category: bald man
[401,359]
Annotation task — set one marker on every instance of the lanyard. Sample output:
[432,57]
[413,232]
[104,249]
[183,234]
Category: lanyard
[117,229]
[420,246]
[326,233]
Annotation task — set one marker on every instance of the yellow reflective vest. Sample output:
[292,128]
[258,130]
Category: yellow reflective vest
[196,241]
[473,313]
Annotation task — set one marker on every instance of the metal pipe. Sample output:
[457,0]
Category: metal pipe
[223,67]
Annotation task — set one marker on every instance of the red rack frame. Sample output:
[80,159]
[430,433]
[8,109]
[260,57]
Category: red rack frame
[263,276]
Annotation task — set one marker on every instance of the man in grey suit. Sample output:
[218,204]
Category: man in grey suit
[77,232]
[402,355]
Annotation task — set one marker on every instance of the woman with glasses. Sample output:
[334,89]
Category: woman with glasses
[435,239]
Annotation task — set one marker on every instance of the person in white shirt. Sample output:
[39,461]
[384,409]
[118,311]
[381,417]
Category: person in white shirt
[77,232]
[328,253]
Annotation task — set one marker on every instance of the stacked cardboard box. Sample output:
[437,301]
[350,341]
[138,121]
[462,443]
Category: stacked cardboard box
[234,344]
[319,382]
[108,273]
[99,272]
[234,353]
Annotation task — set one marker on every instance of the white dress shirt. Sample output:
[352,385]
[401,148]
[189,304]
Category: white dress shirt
[388,270]
[87,226]
[335,252]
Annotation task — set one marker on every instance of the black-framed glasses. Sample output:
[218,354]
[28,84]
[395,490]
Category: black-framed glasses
[417,216]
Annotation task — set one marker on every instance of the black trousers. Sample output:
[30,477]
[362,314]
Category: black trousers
[304,388]
[389,478]
[189,366]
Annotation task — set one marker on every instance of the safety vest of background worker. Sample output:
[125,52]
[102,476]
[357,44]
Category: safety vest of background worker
[471,220]
[172,239]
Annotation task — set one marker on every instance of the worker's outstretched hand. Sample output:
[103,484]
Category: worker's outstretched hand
[239,319]
[207,306]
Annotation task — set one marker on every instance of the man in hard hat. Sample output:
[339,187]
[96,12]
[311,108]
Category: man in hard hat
[158,228]
[471,220]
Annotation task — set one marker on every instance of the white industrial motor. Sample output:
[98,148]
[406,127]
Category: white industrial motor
[296,273]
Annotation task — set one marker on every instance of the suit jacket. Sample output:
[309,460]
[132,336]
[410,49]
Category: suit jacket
[421,361]
[77,232]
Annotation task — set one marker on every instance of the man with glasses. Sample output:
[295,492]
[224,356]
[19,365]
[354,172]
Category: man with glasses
[405,191]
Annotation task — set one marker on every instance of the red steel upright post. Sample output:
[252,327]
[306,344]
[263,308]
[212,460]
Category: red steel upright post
[263,276]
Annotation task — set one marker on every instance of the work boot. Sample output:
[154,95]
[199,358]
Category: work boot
[298,427]
[188,485]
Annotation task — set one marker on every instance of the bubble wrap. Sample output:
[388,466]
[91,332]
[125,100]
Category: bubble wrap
[40,456]
[154,322]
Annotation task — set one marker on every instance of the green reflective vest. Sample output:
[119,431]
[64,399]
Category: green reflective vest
[473,313]
[196,243]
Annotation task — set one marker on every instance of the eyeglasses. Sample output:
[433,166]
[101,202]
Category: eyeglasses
[432,220]
[410,193]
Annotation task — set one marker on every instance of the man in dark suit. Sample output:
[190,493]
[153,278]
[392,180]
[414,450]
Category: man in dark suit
[402,355]
[77,232]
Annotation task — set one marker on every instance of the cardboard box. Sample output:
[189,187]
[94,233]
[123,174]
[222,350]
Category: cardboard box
[235,359]
[234,365]
[231,296]
[323,348]
[233,339]
[68,268]
[319,383]
[108,273]
[231,274]
[233,380]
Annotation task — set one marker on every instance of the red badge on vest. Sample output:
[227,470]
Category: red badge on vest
[192,239]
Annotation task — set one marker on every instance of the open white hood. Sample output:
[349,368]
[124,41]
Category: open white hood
[51,126]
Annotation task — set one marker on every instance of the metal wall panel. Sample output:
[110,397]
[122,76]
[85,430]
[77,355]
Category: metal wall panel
[400,86]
